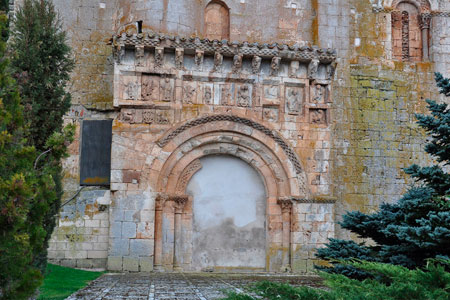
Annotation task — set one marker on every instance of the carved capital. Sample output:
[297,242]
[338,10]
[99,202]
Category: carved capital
[160,200]
[179,202]
[424,20]
[286,204]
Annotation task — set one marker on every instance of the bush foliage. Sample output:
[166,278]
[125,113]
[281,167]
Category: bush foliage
[387,282]
[415,228]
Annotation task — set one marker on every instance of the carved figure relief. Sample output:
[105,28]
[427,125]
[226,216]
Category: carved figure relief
[293,70]
[275,66]
[243,96]
[147,116]
[256,64]
[161,117]
[318,93]
[237,63]
[317,116]
[159,57]
[313,68]
[331,68]
[131,90]
[179,57]
[293,99]
[218,60]
[226,94]
[149,88]
[270,114]
[139,56]
[207,94]
[166,90]
[198,58]
[189,93]
[271,91]
[126,116]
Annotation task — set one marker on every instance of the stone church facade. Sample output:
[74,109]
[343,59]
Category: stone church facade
[233,135]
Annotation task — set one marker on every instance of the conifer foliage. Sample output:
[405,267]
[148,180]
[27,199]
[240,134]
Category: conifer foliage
[42,63]
[415,228]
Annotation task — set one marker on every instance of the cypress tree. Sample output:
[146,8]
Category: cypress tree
[415,228]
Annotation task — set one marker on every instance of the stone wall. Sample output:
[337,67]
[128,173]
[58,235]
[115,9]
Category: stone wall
[357,159]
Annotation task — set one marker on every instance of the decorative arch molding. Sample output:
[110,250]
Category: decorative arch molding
[272,134]
[423,6]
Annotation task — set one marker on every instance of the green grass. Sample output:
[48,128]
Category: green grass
[61,282]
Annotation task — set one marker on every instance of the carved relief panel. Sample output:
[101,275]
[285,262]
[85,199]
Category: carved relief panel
[146,116]
[294,99]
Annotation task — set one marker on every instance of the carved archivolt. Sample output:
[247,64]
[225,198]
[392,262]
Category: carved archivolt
[207,119]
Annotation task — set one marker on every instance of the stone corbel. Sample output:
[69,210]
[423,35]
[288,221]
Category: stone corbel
[256,64]
[159,57]
[218,60]
[313,69]
[139,55]
[237,63]
[199,58]
[179,58]
[275,65]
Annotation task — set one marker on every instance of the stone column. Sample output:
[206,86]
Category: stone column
[286,209]
[159,205]
[424,22]
[179,202]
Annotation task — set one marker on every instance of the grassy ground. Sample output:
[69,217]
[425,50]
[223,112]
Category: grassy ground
[60,282]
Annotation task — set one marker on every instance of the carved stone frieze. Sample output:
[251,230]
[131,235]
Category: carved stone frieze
[146,116]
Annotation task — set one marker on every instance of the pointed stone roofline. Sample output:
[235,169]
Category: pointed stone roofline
[191,45]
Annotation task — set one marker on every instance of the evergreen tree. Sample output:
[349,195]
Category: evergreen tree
[42,65]
[415,228]
[18,279]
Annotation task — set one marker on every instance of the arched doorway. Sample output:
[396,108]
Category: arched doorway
[229,214]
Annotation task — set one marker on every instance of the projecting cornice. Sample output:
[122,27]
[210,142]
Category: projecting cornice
[226,48]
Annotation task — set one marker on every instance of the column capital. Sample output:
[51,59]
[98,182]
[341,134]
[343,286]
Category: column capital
[285,203]
[179,201]
[424,20]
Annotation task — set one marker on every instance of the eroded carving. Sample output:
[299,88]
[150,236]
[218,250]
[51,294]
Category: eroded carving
[147,116]
[318,93]
[331,68]
[159,57]
[139,55]
[313,69]
[218,60]
[256,64]
[166,89]
[243,96]
[149,88]
[271,91]
[275,65]
[318,116]
[199,58]
[226,94]
[294,96]
[294,67]
[270,114]
[179,58]
[189,93]
[126,116]
[207,94]
[237,63]
[131,90]
[285,204]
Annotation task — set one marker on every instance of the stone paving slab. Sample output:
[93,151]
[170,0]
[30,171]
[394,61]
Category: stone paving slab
[177,286]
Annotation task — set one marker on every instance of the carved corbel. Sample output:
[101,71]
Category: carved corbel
[199,58]
[139,55]
[237,63]
[218,60]
[275,65]
[159,57]
[179,58]
[256,64]
[313,68]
